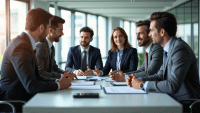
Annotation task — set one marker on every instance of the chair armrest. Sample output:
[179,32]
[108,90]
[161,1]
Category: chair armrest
[193,104]
[9,102]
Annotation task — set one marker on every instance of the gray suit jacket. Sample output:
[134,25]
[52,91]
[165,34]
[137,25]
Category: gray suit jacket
[47,67]
[155,60]
[179,76]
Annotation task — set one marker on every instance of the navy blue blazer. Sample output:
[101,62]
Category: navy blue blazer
[74,58]
[129,61]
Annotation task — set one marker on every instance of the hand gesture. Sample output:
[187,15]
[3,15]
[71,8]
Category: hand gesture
[70,74]
[97,71]
[64,82]
[136,82]
[129,80]
[79,72]
[88,72]
[119,77]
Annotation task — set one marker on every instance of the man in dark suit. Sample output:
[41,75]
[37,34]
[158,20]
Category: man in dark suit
[178,76]
[46,52]
[153,55]
[20,79]
[84,57]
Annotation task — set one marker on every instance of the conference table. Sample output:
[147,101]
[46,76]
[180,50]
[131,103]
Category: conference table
[62,101]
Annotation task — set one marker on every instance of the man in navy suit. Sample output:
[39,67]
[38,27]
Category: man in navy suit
[83,58]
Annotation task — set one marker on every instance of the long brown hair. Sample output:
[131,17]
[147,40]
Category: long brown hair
[113,45]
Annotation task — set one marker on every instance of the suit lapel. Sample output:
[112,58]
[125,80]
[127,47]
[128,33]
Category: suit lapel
[125,54]
[150,53]
[90,56]
[169,53]
[79,55]
[114,60]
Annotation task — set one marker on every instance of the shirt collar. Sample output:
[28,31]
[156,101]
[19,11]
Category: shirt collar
[166,48]
[87,50]
[148,48]
[49,43]
[31,39]
[120,51]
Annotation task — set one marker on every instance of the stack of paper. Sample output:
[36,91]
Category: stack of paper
[109,80]
[85,87]
[82,83]
[119,83]
[100,78]
[123,90]
[82,77]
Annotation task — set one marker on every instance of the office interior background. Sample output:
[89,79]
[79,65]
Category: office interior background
[102,16]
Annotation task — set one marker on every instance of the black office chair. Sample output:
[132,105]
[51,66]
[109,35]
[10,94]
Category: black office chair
[191,105]
[14,106]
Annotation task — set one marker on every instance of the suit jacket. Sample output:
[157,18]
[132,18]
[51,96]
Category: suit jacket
[47,66]
[155,58]
[129,61]
[74,58]
[179,76]
[20,78]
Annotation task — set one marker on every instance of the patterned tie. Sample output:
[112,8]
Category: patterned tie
[146,57]
[165,57]
[84,64]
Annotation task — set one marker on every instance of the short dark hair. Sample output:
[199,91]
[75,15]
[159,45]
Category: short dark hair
[53,22]
[87,29]
[165,20]
[36,17]
[146,23]
[113,45]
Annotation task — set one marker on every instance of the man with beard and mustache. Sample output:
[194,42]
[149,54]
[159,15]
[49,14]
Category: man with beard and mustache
[20,79]
[153,55]
[84,57]
[46,52]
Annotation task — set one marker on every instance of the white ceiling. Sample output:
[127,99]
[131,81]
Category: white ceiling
[132,10]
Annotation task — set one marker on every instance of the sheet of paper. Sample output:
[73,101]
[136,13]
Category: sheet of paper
[82,83]
[100,78]
[85,87]
[82,77]
[119,83]
[123,90]
[109,80]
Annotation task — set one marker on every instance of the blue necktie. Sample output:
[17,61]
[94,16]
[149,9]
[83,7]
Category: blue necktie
[84,64]
[165,57]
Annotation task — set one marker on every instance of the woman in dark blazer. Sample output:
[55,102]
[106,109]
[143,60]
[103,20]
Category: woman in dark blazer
[121,55]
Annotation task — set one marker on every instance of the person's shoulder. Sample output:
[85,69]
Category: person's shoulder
[156,46]
[94,48]
[132,49]
[74,47]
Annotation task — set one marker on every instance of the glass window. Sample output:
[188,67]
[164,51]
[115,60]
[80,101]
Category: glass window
[121,22]
[133,35]
[52,10]
[79,23]
[127,29]
[66,38]
[2,30]
[102,37]
[92,23]
[18,11]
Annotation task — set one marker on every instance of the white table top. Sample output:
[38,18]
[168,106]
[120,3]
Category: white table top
[62,101]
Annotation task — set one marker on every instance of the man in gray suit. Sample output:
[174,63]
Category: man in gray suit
[46,52]
[178,76]
[153,56]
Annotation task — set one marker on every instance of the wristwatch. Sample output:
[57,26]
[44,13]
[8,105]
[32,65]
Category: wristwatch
[142,86]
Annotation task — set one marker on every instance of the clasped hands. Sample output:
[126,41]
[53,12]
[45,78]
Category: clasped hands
[88,72]
[133,81]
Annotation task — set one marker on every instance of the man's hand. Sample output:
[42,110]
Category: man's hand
[70,74]
[119,77]
[97,71]
[129,80]
[136,82]
[88,72]
[64,82]
[79,72]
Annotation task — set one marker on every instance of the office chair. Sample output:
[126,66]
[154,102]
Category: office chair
[191,105]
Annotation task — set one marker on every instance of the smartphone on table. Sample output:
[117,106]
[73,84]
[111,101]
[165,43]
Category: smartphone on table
[86,95]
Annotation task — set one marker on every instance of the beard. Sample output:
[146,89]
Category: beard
[84,45]
[42,37]
[57,38]
[143,42]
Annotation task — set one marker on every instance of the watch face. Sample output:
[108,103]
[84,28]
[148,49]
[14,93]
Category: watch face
[142,85]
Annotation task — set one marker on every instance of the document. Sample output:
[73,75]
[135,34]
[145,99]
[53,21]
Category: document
[123,90]
[85,87]
[83,83]
[100,78]
[118,83]
[82,77]
[109,80]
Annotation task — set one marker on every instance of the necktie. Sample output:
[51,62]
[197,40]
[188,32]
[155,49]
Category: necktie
[52,51]
[146,57]
[165,57]
[51,58]
[84,64]
[34,51]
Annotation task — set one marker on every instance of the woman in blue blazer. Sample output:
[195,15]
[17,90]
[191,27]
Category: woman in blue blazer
[121,55]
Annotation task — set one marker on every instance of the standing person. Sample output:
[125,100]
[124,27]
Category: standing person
[83,58]
[20,79]
[122,57]
[178,76]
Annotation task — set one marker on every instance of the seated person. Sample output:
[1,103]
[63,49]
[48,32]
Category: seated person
[83,58]
[121,56]
[153,56]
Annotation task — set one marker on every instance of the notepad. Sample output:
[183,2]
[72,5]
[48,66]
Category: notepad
[118,83]
[100,78]
[123,90]
[109,80]
[82,77]
[83,83]
[85,87]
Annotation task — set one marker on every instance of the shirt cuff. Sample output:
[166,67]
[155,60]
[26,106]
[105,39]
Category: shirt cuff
[101,73]
[74,71]
[145,85]
[58,84]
